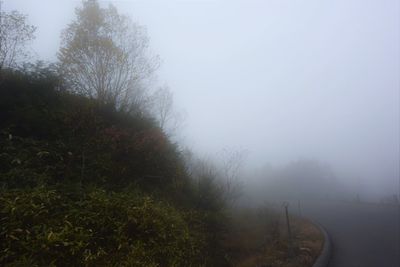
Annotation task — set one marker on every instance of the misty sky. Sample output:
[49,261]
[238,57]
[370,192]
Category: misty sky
[282,79]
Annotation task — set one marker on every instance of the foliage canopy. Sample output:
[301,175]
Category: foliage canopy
[104,55]
[15,34]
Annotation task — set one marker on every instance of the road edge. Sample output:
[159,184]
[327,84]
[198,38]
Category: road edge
[325,256]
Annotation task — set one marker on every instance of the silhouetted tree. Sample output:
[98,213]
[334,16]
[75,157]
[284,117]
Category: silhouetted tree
[307,178]
[163,105]
[232,163]
[15,34]
[168,117]
[104,55]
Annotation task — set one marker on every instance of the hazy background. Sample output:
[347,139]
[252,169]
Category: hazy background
[284,80]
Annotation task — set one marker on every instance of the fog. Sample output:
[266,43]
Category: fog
[282,80]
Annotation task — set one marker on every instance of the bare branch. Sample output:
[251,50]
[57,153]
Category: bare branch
[104,55]
[15,34]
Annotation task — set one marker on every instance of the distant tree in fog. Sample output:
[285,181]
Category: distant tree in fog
[217,183]
[168,117]
[15,34]
[163,105]
[307,178]
[232,163]
[104,55]
[206,183]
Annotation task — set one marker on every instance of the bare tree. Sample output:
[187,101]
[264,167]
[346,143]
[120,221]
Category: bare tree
[15,34]
[163,106]
[205,177]
[104,55]
[223,180]
[168,117]
[232,163]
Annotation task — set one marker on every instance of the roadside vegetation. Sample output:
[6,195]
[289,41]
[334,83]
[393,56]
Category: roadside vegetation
[83,184]
[259,237]
[90,176]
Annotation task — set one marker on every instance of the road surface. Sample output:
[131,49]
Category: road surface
[363,235]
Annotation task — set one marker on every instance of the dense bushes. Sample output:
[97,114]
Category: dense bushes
[111,147]
[82,184]
[94,228]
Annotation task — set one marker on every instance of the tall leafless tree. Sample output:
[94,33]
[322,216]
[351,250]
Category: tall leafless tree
[15,34]
[232,163]
[169,119]
[104,55]
[163,106]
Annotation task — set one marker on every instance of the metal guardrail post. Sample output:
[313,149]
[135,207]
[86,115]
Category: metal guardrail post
[290,247]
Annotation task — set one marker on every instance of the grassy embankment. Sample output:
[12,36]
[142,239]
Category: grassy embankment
[82,184]
[260,238]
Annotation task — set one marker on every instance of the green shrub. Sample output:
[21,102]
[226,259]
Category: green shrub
[95,228]
[110,148]
[84,185]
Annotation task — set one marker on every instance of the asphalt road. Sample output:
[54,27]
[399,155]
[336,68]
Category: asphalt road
[363,235]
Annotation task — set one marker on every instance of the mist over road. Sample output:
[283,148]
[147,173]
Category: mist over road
[363,235]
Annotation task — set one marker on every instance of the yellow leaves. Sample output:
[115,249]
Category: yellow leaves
[49,236]
[102,224]
[16,161]
[41,154]
[13,237]
[68,223]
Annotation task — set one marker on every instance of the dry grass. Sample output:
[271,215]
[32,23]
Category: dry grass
[259,238]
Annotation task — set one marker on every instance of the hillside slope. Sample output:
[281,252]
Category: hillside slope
[85,185]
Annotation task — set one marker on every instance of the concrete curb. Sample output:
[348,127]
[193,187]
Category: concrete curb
[325,256]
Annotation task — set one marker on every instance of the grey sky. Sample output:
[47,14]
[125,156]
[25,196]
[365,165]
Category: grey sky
[283,79]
